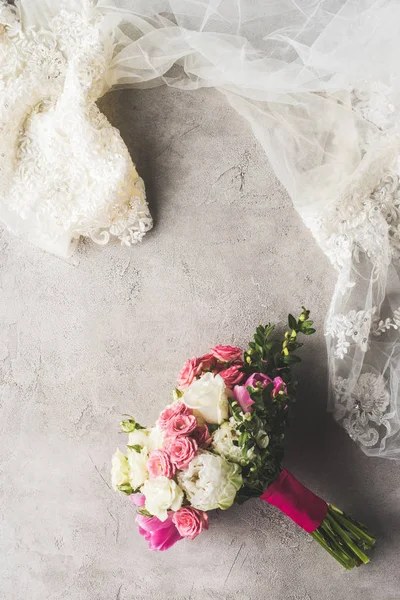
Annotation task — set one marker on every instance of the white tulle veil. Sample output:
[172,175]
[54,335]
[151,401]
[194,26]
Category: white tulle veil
[318,82]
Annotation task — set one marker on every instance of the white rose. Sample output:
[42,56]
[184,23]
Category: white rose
[210,481]
[162,494]
[151,439]
[119,470]
[139,437]
[156,438]
[208,399]
[223,444]
[138,470]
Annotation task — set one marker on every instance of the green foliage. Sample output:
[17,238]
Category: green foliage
[274,358]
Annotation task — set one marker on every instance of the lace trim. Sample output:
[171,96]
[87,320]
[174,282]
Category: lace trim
[362,409]
[358,326]
[362,404]
[362,222]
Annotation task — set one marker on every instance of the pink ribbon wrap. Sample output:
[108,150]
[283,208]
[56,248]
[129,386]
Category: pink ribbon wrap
[296,501]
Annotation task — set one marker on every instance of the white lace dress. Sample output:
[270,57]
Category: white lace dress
[64,171]
[318,82]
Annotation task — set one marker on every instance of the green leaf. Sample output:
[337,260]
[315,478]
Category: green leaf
[292,322]
[309,331]
[243,438]
[135,447]
[291,359]
[144,512]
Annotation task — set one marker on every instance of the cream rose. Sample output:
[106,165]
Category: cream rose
[138,469]
[162,495]
[119,470]
[207,398]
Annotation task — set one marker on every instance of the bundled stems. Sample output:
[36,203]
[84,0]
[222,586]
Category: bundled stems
[344,538]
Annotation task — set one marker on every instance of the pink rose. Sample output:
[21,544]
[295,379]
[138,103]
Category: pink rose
[190,521]
[227,353]
[159,464]
[138,499]
[241,394]
[190,371]
[179,408]
[279,386]
[161,535]
[181,425]
[182,451]
[207,362]
[232,375]
[202,436]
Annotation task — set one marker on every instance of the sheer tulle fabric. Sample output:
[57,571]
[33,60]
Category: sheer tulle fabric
[319,83]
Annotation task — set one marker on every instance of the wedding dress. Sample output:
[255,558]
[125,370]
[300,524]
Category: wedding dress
[319,83]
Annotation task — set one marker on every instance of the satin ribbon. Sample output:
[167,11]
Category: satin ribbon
[296,501]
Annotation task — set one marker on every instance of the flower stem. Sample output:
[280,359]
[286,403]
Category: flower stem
[344,538]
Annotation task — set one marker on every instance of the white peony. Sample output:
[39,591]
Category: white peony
[119,470]
[210,481]
[162,494]
[138,469]
[208,399]
[223,444]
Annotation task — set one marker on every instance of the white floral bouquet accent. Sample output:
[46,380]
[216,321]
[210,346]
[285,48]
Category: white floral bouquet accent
[221,441]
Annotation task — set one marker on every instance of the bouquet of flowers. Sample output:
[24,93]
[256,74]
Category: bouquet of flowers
[221,441]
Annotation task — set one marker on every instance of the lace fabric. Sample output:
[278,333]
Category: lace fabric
[318,82]
[65,171]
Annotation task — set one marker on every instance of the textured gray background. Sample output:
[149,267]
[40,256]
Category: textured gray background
[83,342]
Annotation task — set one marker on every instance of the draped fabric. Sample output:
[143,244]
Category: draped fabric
[317,80]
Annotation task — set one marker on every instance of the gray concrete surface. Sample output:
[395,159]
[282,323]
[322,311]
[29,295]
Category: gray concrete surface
[83,342]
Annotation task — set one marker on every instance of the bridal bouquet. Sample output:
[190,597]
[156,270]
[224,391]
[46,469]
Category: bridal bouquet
[221,441]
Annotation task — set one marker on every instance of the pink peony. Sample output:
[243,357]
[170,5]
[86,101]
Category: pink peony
[181,425]
[171,412]
[190,521]
[190,371]
[241,394]
[232,375]
[161,535]
[182,451]
[279,386]
[138,499]
[159,464]
[227,353]
[202,436]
